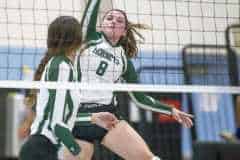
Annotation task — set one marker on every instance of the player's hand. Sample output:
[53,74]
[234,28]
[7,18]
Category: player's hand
[24,130]
[105,120]
[182,117]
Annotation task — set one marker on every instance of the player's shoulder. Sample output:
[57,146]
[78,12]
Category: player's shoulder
[94,37]
[60,62]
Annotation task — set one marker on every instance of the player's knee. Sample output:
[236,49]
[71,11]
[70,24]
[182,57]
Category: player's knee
[155,158]
[150,156]
[87,152]
[147,155]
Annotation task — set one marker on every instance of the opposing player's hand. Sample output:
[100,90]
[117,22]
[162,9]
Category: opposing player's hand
[182,117]
[105,120]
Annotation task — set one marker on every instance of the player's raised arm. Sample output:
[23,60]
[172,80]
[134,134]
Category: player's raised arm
[89,20]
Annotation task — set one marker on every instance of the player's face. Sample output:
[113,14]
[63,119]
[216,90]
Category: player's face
[114,25]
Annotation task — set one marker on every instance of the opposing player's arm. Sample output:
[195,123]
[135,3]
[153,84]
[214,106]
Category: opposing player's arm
[142,100]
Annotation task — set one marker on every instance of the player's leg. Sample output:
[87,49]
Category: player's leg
[86,134]
[127,143]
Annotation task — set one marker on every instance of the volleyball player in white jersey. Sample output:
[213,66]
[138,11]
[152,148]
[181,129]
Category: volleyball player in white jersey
[106,59]
[56,109]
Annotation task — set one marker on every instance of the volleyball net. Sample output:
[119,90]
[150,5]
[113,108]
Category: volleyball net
[190,58]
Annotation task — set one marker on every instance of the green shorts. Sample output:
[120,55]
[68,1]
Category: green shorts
[38,147]
[91,132]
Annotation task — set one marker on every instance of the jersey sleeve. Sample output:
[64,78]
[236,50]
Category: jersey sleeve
[140,99]
[89,20]
[57,99]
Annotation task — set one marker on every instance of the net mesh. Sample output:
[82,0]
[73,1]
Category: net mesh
[174,24]
[214,115]
[191,44]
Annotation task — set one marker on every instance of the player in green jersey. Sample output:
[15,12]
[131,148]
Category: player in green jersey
[106,59]
[56,109]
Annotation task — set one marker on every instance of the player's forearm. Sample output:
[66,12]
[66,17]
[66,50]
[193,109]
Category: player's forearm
[148,103]
[66,137]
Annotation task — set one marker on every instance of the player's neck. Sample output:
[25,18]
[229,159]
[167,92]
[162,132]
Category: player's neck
[71,56]
[113,41]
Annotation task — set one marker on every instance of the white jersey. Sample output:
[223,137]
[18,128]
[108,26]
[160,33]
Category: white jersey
[101,63]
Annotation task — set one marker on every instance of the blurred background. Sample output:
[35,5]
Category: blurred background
[190,42]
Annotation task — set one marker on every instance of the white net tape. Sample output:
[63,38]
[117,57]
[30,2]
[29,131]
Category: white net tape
[120,87]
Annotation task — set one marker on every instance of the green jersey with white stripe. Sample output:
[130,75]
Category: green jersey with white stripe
[101,62]
[56,109]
